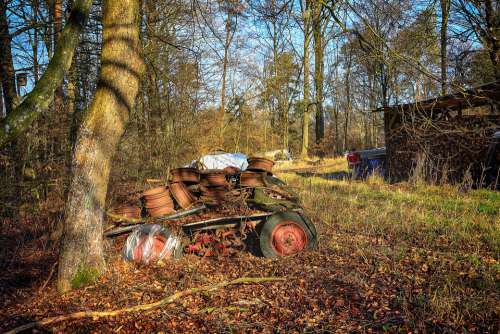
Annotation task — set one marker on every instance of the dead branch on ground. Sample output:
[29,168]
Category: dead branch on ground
[141,307]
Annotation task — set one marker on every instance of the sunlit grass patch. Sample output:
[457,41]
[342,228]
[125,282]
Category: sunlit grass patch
[405,211]
[439,237]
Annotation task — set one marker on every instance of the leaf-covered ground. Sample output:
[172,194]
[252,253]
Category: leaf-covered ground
[392,258]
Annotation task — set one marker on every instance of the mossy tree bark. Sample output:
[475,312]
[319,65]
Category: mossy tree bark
[42,95]
[58,98]
[81,254]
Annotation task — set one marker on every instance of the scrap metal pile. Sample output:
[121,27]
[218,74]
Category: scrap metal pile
[211,212]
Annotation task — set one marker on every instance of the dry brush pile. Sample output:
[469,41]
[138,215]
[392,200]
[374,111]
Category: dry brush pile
[440,149]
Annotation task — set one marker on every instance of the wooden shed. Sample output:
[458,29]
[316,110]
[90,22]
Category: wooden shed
[444,138]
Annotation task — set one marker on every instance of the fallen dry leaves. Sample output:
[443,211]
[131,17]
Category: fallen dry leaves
[341,287]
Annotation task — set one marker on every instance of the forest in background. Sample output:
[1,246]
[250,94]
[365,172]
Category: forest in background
[248,76]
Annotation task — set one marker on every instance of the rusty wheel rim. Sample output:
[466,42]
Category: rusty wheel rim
[181,194]
[260,164]
[154,191]
[251,179]
[213,178]
[288,238]
[190,175]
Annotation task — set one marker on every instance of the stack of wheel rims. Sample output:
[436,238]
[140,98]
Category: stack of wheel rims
[213,195]
[182,195]
[251,179]
[180,179]
[128,211]
[158,201]
[213,185]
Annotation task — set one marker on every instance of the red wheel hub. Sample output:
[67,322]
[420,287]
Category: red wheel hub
[158,243]
[288,238]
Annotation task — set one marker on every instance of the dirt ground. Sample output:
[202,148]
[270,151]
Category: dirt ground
[315,296]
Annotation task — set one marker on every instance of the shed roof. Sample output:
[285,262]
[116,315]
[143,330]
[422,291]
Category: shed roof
[486,94]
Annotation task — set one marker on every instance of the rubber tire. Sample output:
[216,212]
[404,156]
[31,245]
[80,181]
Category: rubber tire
[272,221]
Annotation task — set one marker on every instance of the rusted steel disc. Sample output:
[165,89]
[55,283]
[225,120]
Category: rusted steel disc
[182,195]
[159,197]
[164,193]
[213,191]
[288,238]
[128,211]
[213,178]
[231,170]
[260,164]
[195,190]
[251,179]
[213,194]
[161,211]
[186,175]
[161,201]
[154,197]
[154,191]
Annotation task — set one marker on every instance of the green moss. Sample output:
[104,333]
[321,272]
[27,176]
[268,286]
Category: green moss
[84,276]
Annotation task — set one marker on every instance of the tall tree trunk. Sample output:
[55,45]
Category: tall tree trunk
[222,110]
[305,116]
[445,8]
[58,98]
[318,71]
[71,107]
[39,99]
[348,99]
[1,101]
[48,36]
[491,37]
[285,123]
[278,80]
[7,74]
[372,106]
[336,127]
[81,256]
[335,96]
[35,41]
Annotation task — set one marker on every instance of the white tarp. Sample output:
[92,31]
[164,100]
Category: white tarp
[223,160]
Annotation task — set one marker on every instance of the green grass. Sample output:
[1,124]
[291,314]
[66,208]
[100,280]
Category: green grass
[438,217]
[455,234]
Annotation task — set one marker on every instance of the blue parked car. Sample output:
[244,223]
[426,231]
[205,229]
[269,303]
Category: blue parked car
[364,163]
[492,163]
